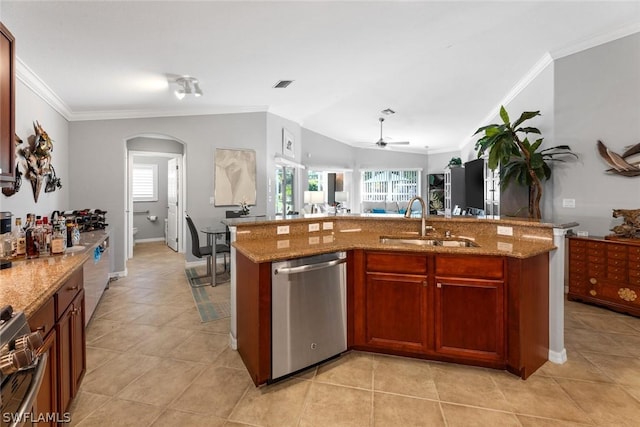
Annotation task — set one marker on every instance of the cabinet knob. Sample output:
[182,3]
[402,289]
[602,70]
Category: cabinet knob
[73,288]
[439,285]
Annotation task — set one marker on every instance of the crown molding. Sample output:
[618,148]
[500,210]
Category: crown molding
[40,88]
[531,75]
[596,40]
[145,114]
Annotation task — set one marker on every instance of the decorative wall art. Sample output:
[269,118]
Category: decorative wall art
[235,177]
[619,162]
[33,161]
[288,144]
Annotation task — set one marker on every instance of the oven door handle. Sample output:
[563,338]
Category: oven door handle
[309,267]
[32,393]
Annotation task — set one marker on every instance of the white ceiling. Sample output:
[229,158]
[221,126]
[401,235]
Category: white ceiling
[442,66]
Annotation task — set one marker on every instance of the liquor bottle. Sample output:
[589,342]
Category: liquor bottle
[47,231]
[21,243]
[58,241]
[33,249]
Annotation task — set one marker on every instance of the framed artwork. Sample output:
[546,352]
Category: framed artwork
[288,144]
[235,177]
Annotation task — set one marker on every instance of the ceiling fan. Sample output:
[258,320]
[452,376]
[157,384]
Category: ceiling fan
[382,143]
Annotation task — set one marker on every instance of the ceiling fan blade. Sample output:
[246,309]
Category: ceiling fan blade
[397,142]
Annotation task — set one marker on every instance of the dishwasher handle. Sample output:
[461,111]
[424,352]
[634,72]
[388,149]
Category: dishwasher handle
[309,267]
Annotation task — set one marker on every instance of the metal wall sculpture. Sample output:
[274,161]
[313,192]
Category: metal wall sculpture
[619,162]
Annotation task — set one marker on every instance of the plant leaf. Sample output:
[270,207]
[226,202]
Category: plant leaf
[528,130]
[525,116]
[503,115]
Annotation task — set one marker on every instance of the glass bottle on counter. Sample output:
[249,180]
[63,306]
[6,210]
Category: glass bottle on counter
[58,239]
[21,243]
[31,236]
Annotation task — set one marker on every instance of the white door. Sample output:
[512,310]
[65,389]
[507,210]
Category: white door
[172,209]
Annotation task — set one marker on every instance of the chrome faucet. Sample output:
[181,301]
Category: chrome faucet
[407,214]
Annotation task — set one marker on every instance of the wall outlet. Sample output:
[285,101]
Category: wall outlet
[314,240]
[568,203]
[505,231]
[314,227]
[283,244]
[327,226]
[283,229]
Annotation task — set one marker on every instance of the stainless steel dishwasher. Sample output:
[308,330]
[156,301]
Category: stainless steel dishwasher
[308,312]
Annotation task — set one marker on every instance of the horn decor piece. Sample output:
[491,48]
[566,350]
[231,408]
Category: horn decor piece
[619,164]
[34,158]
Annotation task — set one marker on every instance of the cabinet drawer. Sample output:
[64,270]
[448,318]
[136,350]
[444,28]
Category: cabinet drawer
[67,292]
[593,259]
[394,262]
[591,245]
[616,254]
[634,280]
[621,293]
[578,256]
[44,319]
[634,251]
[577,243]
[465,266]
[618,277]
[612,247]
[598,270]
[612,262]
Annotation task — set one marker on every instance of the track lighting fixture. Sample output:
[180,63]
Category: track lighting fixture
[187,86]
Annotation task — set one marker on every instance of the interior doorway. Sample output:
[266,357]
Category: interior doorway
[155,194]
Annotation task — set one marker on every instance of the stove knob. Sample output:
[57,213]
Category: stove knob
[15,360]
[32,341]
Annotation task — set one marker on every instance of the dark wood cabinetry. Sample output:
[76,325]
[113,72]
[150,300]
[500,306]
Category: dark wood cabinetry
[44,322]
[606,273]
[396,303]
[470,307]
[61,321]
[7,106]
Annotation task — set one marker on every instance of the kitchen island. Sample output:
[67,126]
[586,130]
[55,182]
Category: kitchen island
[474,297]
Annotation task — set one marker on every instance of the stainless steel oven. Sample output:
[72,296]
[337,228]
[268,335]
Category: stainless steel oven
[22,368]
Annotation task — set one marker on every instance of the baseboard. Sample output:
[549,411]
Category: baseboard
[118,274]
[233,343]
[152,239]
[558,357]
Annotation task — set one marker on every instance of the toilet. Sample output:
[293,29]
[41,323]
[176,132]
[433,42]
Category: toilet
[135,231]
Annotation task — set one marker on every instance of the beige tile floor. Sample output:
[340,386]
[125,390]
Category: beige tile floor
[151,362]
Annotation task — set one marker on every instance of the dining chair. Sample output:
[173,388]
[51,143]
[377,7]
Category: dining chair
[200,252]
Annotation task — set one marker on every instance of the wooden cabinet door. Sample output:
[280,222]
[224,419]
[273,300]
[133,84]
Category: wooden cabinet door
[469,318]
[7,105]
[47,399]
[71,351]
[395,315]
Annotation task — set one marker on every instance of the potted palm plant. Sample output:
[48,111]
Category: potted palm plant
[519,159]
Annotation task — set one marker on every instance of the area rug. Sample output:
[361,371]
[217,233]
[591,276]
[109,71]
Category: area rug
[209,307]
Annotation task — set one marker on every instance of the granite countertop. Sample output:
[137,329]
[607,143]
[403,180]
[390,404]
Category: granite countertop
[287,247]
[30,283]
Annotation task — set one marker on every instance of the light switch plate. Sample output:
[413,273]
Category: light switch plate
[314,227]
[327,225]
[568,203]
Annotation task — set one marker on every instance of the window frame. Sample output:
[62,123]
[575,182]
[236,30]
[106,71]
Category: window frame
[389,195]
[153,167]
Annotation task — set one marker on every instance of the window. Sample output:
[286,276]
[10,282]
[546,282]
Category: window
[144,182]
[285,177]
[390,185]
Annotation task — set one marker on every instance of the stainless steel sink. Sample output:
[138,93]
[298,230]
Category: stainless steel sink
[452,243]
[408,241]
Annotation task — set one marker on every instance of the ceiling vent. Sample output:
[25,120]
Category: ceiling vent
[388,112]
[283,84]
